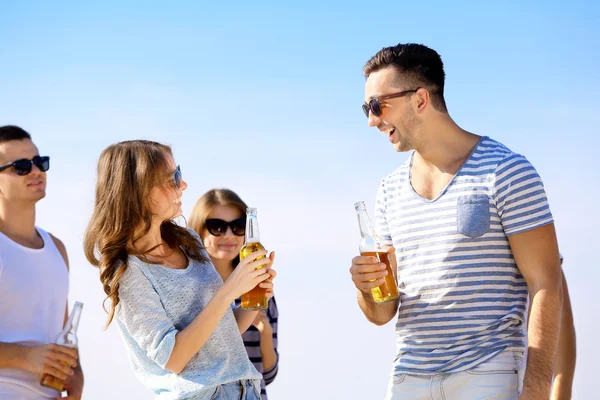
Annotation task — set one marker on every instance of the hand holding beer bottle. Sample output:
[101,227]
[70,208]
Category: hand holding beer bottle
[66,338]
[49,358]
[253,274]
[256,298]
[373,272]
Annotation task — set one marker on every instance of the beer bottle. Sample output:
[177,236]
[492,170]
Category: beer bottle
[373,245]
[67,337]
[255,299]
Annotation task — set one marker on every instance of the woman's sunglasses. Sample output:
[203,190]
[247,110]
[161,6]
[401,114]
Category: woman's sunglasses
[218,227]
[24,166]
[374,105]
[176,177]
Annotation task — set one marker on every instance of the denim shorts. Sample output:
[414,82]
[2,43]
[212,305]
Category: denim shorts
[500,377]
[238,390]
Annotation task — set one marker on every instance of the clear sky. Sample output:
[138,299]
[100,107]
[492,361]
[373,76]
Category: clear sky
[265,99]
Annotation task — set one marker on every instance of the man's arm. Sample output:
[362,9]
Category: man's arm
[367,269]
[12,355]
[367,273]
[74,384]
[536,253]
[564,367]
[44,359]
[379,314]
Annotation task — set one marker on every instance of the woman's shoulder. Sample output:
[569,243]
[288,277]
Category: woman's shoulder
[134,282]
[134,270]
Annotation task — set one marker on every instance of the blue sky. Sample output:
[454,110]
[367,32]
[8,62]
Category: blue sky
[265,99]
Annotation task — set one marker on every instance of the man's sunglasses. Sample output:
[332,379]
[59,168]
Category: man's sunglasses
[374,105]
[176,177]
[218,227]
[24,166]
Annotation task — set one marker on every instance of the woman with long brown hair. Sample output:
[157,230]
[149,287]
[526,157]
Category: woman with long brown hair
[174,312]
[219,217]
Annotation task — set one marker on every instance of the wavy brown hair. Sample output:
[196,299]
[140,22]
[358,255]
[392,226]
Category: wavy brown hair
[127,172]
[207,202]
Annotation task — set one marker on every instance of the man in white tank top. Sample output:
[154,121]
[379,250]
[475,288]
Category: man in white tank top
[34,280]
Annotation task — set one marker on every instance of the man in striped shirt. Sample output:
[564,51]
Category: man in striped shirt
[461,214]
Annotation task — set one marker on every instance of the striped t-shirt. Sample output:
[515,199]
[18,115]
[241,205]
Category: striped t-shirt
[463,299]
[252,342]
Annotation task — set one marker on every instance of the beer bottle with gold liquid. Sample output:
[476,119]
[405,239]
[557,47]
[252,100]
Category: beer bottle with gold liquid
[373,245]
[255,299]
[67,337]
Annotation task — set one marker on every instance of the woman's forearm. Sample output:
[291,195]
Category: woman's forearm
[267,350]
[190,340]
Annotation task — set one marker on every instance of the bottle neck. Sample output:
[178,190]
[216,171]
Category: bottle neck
[364,222]
[252,232]
[73,321]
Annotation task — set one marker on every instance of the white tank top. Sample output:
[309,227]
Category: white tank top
[34,284]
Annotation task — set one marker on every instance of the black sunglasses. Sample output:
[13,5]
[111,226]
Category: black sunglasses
[24,166]
[218,227]
[176,177]
[374,105]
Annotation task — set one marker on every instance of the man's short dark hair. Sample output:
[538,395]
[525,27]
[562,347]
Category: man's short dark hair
[418,66]
[11,132]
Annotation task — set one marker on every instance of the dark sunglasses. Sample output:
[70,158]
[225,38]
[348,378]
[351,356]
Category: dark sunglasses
[176,177]
[24,166]
[374,105]
[218,227]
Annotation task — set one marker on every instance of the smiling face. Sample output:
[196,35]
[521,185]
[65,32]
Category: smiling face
[227,246]
[28,188]
[398,121]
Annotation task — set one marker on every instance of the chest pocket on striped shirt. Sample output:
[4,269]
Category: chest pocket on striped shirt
[473,215]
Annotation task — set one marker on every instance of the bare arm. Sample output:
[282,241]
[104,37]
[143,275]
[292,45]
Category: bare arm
[44,359]
[12,355]
[367,269]
[536,253]
[267,351]
[190,340]
[379,314]
[244,318]
[267,345]
[564,367]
